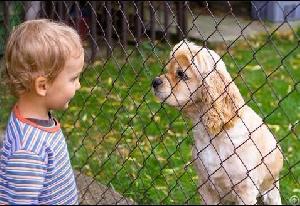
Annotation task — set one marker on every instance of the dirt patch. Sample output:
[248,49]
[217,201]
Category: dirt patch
[93,193]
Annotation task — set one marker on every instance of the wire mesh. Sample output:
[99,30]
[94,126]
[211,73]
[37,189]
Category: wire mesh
[120,136]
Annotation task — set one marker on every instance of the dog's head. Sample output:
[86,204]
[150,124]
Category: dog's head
[196,81]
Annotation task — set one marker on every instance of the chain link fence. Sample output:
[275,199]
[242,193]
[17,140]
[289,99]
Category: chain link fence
[120,136]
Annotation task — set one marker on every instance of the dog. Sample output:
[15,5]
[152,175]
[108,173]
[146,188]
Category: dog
[236,156]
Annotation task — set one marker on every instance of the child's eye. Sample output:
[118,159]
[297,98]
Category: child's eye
[74,78]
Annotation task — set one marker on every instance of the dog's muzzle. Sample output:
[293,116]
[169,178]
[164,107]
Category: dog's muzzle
[156,82]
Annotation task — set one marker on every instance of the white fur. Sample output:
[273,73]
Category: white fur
[212,153]
[236,156]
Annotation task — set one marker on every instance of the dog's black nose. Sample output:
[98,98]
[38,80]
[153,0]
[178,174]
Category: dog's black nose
[156,82]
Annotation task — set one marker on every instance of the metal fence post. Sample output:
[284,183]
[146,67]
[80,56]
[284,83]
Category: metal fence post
[152,21]
[166,19]
[109,28]
[94,30]
[124,37]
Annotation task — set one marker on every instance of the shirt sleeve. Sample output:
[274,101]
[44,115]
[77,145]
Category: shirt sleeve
[25,174]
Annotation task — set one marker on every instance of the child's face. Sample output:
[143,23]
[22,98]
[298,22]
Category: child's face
[63,88]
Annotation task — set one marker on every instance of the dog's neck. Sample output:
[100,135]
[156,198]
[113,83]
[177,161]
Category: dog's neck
[198,113]
[195,112]
[202,135]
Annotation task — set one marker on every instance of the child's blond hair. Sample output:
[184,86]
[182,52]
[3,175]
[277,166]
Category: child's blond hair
[38,48]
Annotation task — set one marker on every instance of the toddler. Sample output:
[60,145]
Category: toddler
[43,60]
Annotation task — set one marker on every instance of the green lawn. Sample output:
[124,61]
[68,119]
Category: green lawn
[119,133]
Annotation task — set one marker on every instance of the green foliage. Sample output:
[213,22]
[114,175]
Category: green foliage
[121,135]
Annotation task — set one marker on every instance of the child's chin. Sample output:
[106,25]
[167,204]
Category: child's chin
[63,107]
[66,106]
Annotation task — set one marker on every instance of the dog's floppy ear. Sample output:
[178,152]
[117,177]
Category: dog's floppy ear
[188,50]
[219,94]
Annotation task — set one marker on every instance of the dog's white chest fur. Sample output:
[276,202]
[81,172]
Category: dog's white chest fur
[220,160]
[233,156]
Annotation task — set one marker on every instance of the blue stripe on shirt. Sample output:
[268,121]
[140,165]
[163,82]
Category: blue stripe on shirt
[35,167]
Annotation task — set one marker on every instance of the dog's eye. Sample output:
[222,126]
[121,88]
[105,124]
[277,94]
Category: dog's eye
[181,74]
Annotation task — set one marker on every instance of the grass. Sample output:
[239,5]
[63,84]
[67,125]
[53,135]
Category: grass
[118,133]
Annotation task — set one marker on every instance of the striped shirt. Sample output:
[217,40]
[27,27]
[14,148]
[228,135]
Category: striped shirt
[35,166]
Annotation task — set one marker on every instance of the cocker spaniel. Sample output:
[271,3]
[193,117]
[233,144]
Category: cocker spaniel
[236,156]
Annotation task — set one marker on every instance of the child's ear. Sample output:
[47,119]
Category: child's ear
[41,85]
